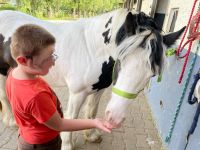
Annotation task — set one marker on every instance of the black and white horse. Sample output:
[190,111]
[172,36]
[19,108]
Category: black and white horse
[119,47]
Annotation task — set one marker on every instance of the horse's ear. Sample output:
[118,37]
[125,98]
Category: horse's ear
[171,38]
[130,24]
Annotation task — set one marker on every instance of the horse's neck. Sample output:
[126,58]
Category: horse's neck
[107,24]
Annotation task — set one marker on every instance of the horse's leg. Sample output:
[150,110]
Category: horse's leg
[93,135]
[7,116]
[75,102]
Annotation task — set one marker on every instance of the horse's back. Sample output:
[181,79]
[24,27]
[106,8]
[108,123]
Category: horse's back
[11,20]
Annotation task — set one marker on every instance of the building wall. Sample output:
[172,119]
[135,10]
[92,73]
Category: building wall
[185,7]
[164,96]
[165,6]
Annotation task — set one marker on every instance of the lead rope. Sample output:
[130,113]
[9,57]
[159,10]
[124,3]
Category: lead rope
[168,138]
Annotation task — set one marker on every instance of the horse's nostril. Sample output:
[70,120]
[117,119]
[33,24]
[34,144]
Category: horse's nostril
[107,115]
[107,112]
[0,106]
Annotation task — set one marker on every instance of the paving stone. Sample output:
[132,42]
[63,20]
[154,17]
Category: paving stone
[130,145]
[104,145]
[156,147]
[139,124]
[128,123]
[152,134]
[117,136]
[141,148]
[148,124]
[92,146]
[139,131]
[118,146]
[141,141]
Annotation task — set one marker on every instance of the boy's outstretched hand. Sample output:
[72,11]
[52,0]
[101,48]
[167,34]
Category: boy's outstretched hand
[103,125]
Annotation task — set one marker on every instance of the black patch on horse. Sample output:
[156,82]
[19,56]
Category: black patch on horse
[109,22]
[105,79]
[106,38]
[6,61]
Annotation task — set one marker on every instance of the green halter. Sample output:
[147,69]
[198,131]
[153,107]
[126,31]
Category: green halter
[123,94]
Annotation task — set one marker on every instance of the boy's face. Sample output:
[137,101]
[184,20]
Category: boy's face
[45,60]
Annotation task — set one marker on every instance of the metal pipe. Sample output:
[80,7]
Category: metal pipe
[139,5]
[153,8]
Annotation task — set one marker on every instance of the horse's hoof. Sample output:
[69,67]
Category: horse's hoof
[67,147]
[12,124]
[94,139]
[9,121]
[93,136]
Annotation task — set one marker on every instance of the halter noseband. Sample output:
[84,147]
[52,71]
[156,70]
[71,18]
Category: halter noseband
[124,94]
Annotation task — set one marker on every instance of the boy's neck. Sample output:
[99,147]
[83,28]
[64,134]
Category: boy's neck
[22,74]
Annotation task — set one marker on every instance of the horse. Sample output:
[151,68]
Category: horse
[122,48]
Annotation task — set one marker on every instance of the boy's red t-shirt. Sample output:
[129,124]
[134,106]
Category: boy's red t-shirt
[33,103]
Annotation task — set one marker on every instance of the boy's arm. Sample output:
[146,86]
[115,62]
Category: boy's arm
[59,124]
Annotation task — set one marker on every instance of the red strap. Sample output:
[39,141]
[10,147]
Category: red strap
[179,48]
[193,35]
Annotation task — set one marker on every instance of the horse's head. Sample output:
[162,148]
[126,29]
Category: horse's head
[140,56]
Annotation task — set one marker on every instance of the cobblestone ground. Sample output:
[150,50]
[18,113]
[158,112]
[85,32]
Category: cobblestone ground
[137,133]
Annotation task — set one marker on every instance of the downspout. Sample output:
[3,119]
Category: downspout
[153,8]
[139,5]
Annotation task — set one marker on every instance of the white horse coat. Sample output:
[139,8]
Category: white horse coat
[87,50]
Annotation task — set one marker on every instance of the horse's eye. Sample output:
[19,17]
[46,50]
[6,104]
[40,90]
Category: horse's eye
[141,29]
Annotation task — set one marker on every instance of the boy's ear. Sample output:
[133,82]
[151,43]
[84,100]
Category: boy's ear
[21,60]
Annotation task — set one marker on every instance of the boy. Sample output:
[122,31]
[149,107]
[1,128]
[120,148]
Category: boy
[34,105]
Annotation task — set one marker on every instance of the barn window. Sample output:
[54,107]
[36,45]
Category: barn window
[172,19]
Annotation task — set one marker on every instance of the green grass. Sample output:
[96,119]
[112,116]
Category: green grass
[7,7]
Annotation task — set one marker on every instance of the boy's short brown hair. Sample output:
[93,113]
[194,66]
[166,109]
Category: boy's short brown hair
[29,40]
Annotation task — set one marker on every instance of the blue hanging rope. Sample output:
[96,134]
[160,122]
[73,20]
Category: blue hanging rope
[192,100]
[168,138]
[193,126]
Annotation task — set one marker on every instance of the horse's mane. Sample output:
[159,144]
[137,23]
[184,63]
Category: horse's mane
[151,41]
